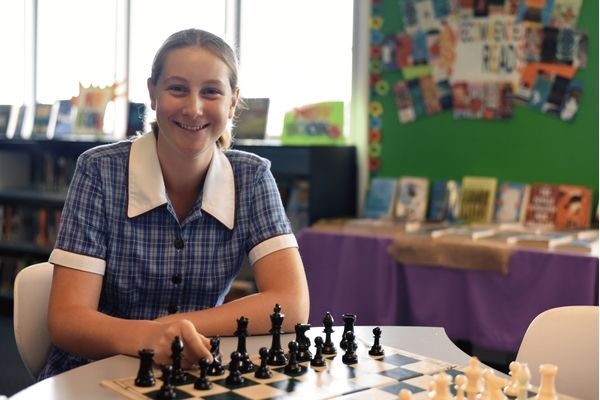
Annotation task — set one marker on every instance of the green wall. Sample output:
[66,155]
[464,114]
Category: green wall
[529,147]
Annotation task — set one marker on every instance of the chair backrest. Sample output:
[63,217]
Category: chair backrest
[31,295]
[568,338]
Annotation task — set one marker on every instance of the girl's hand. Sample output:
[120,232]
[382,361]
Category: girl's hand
[195,345]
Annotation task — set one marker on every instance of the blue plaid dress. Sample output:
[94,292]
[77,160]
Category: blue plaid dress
[153,264]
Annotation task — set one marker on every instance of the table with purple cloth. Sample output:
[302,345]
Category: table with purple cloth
[355,273]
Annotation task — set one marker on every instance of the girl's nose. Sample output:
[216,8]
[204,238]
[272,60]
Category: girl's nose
[194,106]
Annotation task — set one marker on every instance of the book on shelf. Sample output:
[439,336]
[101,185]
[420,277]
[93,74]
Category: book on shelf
[573,207]
[444,201]
[432,231]
[469,233]
[16,121]
[251,121]
[5,111]
[546,240]
[581,246]
[541,210]
[511,202]
[411,200]
[381,198]
[509,237]
[62,118]
[41,118]
[478,195]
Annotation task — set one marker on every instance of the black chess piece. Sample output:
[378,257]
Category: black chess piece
[293,366]
[202,382]
[145,375]
[178,376]
[349,320]
[350,356]
[167,390]
[376,349]
[276,354]
[263,371]
[235,377]
[318,360]
[304,353]
[241,333]
[216,367]
[328,346]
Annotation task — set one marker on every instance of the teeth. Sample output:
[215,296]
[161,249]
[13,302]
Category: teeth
[192,127]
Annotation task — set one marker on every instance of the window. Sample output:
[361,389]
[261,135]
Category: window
[12,43]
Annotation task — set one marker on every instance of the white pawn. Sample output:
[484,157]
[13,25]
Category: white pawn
[459,385]
[442,387]
[473,372]
[547,389]
[511,388]
[523,377]
[405,394]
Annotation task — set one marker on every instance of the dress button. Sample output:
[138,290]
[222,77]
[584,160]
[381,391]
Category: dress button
[178,243]
[176,279]
[172,308]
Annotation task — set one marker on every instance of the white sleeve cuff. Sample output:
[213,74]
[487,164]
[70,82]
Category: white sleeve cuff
[271,245]
[78,261]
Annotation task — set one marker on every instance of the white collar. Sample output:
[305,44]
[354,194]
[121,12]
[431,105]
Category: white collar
[147,187]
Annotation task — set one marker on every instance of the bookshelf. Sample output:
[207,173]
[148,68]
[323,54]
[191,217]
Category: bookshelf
[35,174]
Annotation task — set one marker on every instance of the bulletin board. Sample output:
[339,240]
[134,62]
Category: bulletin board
[530,146]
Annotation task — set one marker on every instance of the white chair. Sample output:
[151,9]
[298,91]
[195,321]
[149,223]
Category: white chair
[568,338]
[31,295]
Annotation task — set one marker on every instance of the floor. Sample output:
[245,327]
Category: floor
[13,375]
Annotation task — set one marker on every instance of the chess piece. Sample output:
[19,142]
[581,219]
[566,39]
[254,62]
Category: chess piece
[376,349]
[145,375]
[523,378]
[441,389]
[511,387]
[178,375]
[304,353]
[494,385]
[293,366]
[241,333]
[547,389]
[202,382]
[405,394]
[459,385]
[328,346]
[473,371]
[167,390]
[216,367]
[350,346]
[318,360]
[276,355]
[263,371]
[349,320]
[235,377]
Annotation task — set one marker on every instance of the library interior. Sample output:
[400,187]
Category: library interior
[219,200]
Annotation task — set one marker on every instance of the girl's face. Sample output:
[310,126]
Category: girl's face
[193,100]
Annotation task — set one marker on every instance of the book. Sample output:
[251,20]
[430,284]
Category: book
[41,118]
[546,240]
[381,197]
[573,207]
[251,120]
[478,195]
[511,202]
[444,201]
[470,232]
[62,118]
[509,237]
[16,121]
[411,200]
[581,246]
[5,111]
[541,210]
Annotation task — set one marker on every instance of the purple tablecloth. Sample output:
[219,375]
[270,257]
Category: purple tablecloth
[350,273]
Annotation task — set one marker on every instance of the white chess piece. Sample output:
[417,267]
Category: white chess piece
[511,388]
[523,377]
[405,394]
[442,387]
[547,389]
[473,372]
[485,392]
[459,384]
[494,386]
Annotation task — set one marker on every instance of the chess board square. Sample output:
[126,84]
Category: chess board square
[275,376]
[374,380]
[371,365]
[398,359]
[216,389]
[426,367]
[400,374]
[421,381]
[396,387]
[258,392]
[369,394]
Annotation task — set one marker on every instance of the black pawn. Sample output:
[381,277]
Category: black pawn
[350,356]
[263,371]
[304,353]
[328,346]
[167,390]
[145,376]
[376,349]
[235,377]
[276,354]
[293,366]
[349,320]
[216,368]
[318,360]
[202,382]
[178,376]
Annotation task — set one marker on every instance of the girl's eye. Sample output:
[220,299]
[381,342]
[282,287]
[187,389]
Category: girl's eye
[211,91]
[177,89]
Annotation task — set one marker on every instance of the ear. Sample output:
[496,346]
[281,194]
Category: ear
[151,93]
[234,100]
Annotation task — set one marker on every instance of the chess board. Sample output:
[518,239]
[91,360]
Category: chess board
[370,378]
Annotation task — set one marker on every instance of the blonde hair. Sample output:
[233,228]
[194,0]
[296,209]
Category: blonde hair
[204,40]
